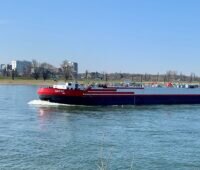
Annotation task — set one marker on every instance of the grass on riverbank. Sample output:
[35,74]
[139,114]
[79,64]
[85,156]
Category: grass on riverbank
[26,82]
[30,81]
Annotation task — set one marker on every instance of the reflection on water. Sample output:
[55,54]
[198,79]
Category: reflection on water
[47,108]
[158,136]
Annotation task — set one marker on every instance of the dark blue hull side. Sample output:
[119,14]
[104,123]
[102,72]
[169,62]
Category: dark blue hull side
[124,100]
[90,100]
[166,99]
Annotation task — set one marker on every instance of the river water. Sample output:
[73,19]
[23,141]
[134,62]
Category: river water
[115,137]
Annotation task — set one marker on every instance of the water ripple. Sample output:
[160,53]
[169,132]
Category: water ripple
[46,136]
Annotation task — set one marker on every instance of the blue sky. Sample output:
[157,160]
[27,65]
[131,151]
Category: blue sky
[103,35]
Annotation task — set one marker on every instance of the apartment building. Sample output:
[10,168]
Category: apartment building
[21,67]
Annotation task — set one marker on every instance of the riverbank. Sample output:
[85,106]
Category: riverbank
[41,82]
[26,82]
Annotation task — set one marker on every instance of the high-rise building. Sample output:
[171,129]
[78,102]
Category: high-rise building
[21,67]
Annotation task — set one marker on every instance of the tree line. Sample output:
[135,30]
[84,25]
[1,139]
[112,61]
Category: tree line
[43,71]
[66,72]
[169,76]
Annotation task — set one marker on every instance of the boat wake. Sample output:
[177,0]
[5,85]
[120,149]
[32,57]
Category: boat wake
[42,103]
[45,103]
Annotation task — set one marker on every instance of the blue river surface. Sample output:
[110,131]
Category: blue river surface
[78,137]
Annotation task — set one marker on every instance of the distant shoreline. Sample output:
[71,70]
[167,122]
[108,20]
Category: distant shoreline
[26,82]
[52,82]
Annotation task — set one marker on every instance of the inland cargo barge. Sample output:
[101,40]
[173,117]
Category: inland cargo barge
[76,94]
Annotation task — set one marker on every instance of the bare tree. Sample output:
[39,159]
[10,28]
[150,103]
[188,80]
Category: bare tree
[145,77]
[106,77]
[157,77]
[13,74]
[27,70]
[181,76]
[44,71]
[35,69]
[86,74]
[141,78]
[4,72]
[66,69]
[121,75]
[132,77]
[47,70]
[165,78]
[192,77]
